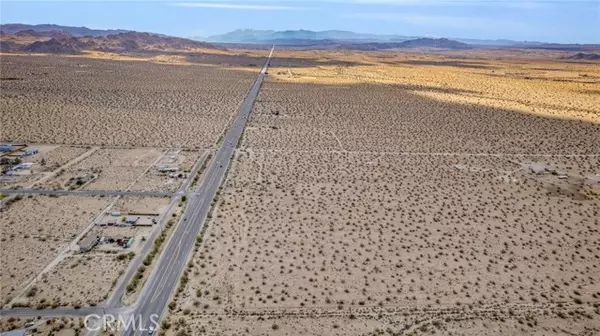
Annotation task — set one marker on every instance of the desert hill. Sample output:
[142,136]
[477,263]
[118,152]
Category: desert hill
[50,33]
[57,46]
[136,40]
[434,43]
[584,56]
[441,43]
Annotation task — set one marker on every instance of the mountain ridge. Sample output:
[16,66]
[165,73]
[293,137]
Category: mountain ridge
[262,36]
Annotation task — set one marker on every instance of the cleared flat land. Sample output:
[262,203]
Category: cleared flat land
[363,207]
[76,100]
[78,280]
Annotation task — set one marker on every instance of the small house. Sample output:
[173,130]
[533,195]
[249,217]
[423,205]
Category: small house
[537,168]
[131,219]
[6,148]
[168,169]
[87,243]
[8,161]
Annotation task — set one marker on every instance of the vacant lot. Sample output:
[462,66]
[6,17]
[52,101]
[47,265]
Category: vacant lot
[75,100]
[35,229]
[69,283]
[107,169]
[363,202]
[364,234]
[141,204]
[370,230]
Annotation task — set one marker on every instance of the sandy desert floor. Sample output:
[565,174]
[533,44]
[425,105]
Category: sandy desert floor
[70,283]
[134,103]
[535,82]
[34,230]
[56,157]
[418,116]
[141,204]
[363,207]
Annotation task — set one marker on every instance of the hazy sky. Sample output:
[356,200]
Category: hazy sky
[539,20]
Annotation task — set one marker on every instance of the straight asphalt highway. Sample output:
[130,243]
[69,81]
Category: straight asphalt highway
[161,284]
[120,288]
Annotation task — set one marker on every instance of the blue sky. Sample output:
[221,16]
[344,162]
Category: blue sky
[533,20]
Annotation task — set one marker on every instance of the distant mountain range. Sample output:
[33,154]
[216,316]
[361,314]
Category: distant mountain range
[260,36]
[289,36]
[12,28]
[423,42]
[50,38]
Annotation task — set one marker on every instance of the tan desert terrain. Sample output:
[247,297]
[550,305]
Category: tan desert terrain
[141,204]
[133,103]
[414,105]
[35,229]
[69,283]
[103,123]
[56,157]
[409,198]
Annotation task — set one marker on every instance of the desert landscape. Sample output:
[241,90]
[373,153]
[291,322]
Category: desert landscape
[404,194]
[418,190]
[142,103]
[134,142]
